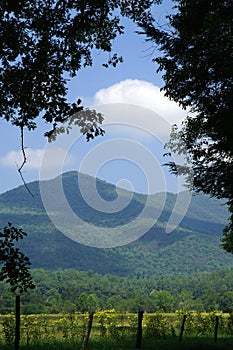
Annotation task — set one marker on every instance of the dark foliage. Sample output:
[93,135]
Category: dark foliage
[15,265]
[43,43]
[197,66]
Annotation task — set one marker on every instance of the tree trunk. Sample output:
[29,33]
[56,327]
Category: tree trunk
[17,322]
[88,331]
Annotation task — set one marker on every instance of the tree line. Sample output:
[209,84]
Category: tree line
[76,291]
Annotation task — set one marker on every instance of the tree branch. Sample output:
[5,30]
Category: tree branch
[24,162]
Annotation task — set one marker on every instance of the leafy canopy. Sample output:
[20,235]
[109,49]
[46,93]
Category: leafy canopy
[44,43]
[196,63]
[14,264]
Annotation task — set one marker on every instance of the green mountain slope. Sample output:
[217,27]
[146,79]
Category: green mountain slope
[192,247]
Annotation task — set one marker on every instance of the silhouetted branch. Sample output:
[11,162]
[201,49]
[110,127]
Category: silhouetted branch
[24,162]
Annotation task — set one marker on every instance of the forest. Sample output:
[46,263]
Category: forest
[194,246]
[70,291]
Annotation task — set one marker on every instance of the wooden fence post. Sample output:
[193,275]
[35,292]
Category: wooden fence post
[139,330]
[88,331]
[17,321]
[216,329]
[182,327]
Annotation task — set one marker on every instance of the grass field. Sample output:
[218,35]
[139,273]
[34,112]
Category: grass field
[113,331]
[169,343]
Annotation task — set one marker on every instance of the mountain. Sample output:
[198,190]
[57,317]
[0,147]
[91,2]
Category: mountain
[192,247]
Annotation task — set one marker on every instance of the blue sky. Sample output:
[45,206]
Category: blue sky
[133,82]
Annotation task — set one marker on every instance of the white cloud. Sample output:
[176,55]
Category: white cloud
[34,157]
[142,93]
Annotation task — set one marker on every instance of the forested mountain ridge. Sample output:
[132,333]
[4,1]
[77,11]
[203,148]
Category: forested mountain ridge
[194,246]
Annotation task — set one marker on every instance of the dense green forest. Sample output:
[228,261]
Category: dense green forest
[186,269]
[75,291]
[194,246]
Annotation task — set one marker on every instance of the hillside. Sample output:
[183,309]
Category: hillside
[194,246]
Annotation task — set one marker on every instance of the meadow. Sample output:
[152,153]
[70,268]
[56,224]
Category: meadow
[115,331]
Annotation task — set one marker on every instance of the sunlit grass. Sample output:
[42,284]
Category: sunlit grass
[114,331]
